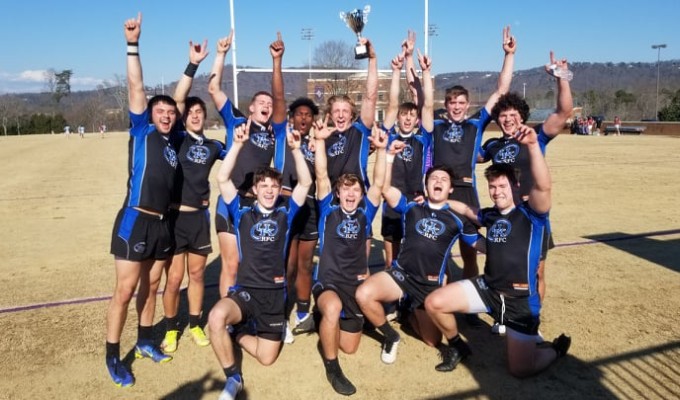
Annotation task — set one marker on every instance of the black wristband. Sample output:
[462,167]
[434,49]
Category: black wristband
[133,43]
[191,69]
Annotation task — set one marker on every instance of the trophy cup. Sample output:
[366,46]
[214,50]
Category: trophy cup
[356,20]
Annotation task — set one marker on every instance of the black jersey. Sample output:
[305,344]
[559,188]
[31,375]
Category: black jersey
[347,152]
[411,164]
[456,145]
[342,245]
[152,163]
[428,237]
[513,248]
[262,242]
[284,162]
[507,150]
[258,151]
[196,157]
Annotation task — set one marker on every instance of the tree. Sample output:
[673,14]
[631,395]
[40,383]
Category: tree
[58,83]
[334,54]
[672,111]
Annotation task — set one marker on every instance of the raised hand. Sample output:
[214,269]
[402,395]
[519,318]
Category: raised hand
[526,135]
[276,48]
[321,129]
[242,132]
[133,29]
[556,63]
[378,137]
[294,138]
[509,42]
[198,52]
[224,44]
[396,147]
[398,62]
[425,61]
[409,44]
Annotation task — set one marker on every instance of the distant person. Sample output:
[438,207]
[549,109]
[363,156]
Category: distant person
[81,131]
[67,131]
[617,125]
[102,129]
[141,240]
[255,306]
[508,289]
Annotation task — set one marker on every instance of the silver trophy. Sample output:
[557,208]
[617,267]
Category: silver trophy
[356,20]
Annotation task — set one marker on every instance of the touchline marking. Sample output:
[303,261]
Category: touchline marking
[9,310]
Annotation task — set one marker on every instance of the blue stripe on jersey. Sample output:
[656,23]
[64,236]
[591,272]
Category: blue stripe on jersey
[280,143]
[363,151]
[127,223]
[139,133]
[323,204]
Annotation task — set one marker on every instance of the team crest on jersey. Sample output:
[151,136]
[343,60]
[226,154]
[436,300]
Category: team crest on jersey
[407,153]
[337,148]
[307,153]
[481,283]
[499,231]
[170,156]
[430,228]
[139,247]
[507,155]
[264,231]
[198,154]
[261,140]
[348,229]
[454,134]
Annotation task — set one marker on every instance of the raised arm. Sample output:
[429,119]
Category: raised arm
[323,181]
[565,103]
[304,178]
[391,194]
[465,210]
[505,77]
[224,182]
[427,112]
[197,53]
[276,49]
[136,95]
[215,81]
[540,194]
[395,87]
[379,140]
[414,84]
[371,96]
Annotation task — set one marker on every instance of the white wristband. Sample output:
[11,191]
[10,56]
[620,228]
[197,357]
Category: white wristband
[390,158]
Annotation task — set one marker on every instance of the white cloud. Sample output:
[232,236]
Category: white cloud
[32,81]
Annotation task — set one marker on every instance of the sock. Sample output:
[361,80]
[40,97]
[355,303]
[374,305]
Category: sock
[194,320]
[112,350]
[232,370]
[171,323]
[144,333]
[389,332]
[332,366]
[459,344]
[302,308]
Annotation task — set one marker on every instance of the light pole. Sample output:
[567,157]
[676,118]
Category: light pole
[524,90]
[658,48]
[432,30]
[308,34]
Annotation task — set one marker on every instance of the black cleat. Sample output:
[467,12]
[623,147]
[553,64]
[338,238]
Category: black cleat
[452,356]
[340,383]
[561,345]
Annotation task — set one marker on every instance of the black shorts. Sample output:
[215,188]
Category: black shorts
[138,236]
[223,222]
[391,227]
[263,308]
[192,231]
[521,313]
[414,292]
[306,221]
[465,194]
[351,317]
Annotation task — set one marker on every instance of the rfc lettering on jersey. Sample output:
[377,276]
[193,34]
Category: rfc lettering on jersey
[406,153]
[261,140]
[499,231]
[454,134]
[348,229]
[508,154]
[338,147]
[198,154]
[430,228]
[264,231]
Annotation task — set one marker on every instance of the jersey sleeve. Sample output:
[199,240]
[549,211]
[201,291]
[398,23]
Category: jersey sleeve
[280,143]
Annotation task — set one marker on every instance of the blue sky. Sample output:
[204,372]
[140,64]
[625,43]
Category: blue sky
[87,36]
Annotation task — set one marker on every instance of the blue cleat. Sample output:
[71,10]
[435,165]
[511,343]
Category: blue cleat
[148,350]
[119,374]
[232,388]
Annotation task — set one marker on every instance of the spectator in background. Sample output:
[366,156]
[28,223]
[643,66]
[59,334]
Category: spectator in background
[617,125]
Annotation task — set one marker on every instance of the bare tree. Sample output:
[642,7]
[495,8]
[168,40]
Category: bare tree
[334,54]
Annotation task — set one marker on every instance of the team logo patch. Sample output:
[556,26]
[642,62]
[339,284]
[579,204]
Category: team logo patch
[139,247]
[198,154]
[170,156]
[507,155]
[454,134]
[407,153]
[481,283]
[398,275]
[264,231]
[245,296]
[261,140]
[348,229]
[338,147]
[431,228]
[499,232]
